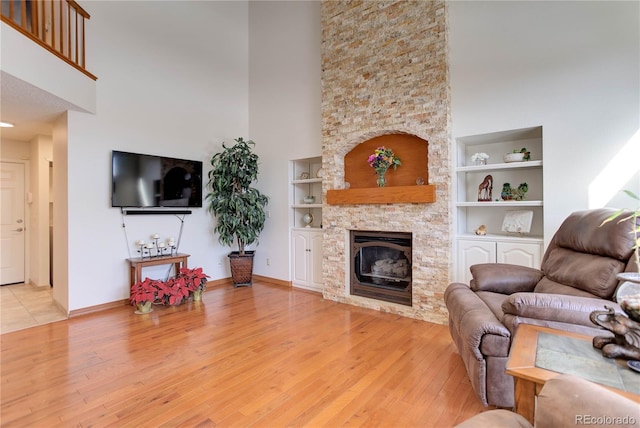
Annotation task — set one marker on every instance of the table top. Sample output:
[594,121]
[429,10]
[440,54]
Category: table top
[541,353]
[166,257]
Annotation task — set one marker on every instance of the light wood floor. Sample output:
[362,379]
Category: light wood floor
[264,356]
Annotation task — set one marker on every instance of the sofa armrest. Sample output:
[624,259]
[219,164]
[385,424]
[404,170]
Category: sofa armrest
[504,278]
[555,307]
[471,320]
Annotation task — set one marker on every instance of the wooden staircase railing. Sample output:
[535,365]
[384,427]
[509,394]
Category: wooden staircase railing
[56,25]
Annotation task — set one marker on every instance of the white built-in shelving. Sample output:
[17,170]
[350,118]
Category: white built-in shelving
[496,245]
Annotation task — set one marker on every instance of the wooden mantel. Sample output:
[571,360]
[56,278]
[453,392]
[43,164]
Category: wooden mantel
[401,183]
[383,195]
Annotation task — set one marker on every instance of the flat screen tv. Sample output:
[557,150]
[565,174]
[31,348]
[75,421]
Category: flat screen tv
[141,181]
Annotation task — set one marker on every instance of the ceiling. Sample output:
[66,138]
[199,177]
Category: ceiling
[32,110]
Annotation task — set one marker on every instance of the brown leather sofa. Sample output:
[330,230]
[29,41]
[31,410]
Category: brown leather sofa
[577,276]
[566,401]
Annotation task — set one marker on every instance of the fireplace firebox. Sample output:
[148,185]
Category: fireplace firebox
[381,265]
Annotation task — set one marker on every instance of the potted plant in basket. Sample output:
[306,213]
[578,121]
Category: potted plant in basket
[238,207]
[143,294]
[195,281]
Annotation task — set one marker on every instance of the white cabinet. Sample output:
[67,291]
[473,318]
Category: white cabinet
[307,258]
[476,251]
[470,213]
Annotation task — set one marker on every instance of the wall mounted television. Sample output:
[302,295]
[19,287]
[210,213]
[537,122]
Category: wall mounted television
[145,181]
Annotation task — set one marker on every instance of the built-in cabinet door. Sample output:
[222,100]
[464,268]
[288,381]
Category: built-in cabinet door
[519,254]
[474,252]
[300,241]
[316,259]
[307,258]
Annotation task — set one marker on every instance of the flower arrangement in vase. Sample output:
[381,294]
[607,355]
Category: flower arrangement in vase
[381,160]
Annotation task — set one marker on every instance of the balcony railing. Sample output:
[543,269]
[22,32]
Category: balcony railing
[56,25]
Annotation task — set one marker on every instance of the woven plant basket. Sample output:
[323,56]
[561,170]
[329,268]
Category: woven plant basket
[241,268]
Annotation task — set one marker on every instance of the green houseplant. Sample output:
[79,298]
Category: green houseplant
[238,207]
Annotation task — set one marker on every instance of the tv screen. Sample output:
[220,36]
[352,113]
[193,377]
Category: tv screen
[140,180]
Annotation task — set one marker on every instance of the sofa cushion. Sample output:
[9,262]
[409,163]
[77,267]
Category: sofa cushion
[493,301]
[584,232]
[554,307]
[551,287]
[588,272]
[586,253]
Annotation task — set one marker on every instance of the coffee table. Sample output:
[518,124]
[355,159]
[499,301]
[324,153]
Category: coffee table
[541,353]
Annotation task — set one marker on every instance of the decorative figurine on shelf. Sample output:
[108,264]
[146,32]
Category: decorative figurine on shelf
[481,230]
[479,158]
[626,341]
[485,189]
[304,176]
[526,153]
[510,194]
[307,219]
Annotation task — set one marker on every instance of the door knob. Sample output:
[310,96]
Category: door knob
[19,221]
[19,229]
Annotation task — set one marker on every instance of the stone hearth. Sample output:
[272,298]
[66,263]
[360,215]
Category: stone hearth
[385,72]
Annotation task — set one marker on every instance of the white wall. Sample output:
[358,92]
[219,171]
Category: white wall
[285,111]
[571,67]
[173,81]
[41,150]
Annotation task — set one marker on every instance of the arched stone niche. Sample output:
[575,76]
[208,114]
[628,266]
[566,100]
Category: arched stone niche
[412,151]
[402,184]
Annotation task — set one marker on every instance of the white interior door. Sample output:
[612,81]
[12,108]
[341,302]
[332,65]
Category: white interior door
[12,226]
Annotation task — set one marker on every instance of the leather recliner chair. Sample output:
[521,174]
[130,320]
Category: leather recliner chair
[577,277]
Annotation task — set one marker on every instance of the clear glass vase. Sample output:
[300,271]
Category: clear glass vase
[382,181]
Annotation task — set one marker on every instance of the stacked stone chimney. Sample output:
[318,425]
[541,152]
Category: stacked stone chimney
[385,71]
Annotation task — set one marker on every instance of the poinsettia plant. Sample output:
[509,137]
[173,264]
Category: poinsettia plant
[144,291]
[170,292]
[194,279]
[173,291]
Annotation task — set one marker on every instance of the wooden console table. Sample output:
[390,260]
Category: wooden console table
[137,263]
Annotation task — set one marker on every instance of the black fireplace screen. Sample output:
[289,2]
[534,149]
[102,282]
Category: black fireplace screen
[381,266]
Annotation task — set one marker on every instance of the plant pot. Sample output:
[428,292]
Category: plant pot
[197,295]
[241,268]
[144,308]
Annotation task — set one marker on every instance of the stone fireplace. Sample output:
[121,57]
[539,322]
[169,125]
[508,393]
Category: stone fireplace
[385,73]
